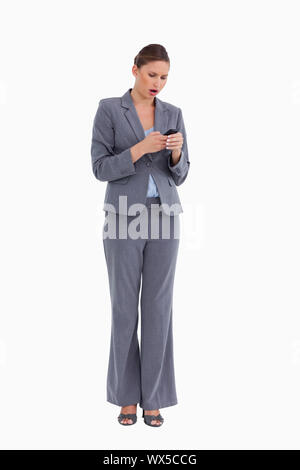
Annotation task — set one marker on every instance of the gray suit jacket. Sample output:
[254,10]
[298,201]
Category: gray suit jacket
[116,128]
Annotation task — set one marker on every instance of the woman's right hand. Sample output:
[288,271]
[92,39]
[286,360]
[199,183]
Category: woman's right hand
[154,142]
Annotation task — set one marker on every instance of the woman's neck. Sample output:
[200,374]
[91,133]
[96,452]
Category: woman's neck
[140,101]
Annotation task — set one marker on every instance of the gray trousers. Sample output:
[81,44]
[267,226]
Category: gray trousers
[145,375]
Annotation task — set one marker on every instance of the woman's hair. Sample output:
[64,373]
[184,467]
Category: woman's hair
[150,53]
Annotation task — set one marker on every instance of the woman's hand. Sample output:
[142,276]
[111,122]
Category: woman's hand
[174,143]
[154,142]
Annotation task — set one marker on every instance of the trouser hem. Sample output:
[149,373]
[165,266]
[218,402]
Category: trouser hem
[119,403]
[145,406]
[156,406]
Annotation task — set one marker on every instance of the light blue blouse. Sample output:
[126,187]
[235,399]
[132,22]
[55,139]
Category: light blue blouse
[152,188]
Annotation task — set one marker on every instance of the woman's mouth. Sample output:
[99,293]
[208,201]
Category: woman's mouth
[153,91]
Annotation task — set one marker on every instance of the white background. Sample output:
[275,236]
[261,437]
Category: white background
[235,73]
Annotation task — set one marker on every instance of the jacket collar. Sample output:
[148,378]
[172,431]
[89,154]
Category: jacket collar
[131,114]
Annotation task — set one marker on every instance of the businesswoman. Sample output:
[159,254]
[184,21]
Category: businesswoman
[142,168]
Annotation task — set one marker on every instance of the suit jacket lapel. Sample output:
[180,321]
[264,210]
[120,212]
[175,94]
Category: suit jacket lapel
[131,114]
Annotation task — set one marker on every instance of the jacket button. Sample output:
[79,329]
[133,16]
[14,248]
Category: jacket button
[148,164]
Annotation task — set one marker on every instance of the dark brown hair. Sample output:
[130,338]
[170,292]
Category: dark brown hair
[150,53]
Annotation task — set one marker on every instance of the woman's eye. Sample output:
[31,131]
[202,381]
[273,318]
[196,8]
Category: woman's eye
[164,78]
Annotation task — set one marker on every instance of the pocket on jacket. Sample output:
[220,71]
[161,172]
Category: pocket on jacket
[120,180]
[171,182]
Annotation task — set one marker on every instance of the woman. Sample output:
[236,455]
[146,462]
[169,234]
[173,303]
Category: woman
[142,168]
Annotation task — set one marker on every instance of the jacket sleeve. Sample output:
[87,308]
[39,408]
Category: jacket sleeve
[108,166]
[180,171]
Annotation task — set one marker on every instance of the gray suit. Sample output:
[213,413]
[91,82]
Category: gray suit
[116,128]
[144,376]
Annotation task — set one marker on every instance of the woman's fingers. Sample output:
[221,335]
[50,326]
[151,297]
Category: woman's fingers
[174,141]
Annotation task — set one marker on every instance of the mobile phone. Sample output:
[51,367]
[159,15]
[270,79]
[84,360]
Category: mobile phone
[171,131]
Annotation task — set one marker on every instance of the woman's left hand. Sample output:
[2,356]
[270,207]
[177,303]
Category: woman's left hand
[174,142]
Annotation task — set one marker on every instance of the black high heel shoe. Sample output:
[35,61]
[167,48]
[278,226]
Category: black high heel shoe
[149,418]
[129,416]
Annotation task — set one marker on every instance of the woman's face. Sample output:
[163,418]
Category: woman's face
[150,76]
